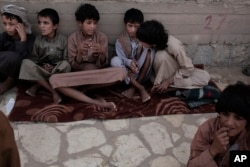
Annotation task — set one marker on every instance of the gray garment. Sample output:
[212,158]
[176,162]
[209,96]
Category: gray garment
[50,51]
[31,71]
[53,52]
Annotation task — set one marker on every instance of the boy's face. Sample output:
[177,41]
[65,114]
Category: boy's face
[131,29]
[233,122]
[46,26]
[10,25]
[88,27]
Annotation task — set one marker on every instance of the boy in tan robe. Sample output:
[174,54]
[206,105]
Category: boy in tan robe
[88,55]
[172,68]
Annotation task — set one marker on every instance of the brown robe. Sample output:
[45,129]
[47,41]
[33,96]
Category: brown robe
[89,61]
[200,156]
[9,156]
[91,70]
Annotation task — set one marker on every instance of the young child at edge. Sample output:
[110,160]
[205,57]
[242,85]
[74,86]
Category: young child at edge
[171,66]
[9,155]
[216,137]
[49,54]
[16,43]
[88,55]
[133,56]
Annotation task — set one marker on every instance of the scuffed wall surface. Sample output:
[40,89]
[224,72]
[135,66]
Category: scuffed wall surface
[215,32]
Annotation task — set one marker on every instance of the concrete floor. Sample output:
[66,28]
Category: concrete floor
[141,142]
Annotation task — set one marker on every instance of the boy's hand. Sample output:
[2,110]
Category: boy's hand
[133,67]
[21,31]
[95,48]
[48,67]
[220,142]
[163,86]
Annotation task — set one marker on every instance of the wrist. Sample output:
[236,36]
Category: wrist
[78,61]
[23,38]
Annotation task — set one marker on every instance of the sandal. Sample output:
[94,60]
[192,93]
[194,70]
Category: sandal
[246,71]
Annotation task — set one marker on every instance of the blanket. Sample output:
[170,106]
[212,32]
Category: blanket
[41,108]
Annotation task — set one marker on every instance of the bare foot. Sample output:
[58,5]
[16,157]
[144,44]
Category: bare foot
[145,96]
[104,105]
[111,106]
[6,85]
[57,98]
[32,90]
[130,92]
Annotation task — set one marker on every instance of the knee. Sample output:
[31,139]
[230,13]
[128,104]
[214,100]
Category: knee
[116,62]
[27,63]
[65,66]
[161,56]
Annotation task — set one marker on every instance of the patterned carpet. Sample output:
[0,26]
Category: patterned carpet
[41,108]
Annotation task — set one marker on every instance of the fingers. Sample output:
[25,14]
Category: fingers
[21,31]
[20,28]
[222,136]
[134,67]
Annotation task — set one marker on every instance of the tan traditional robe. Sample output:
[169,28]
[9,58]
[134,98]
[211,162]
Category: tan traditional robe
[90,71]
[9,156]
[173,62]
[88,60]
[200,156]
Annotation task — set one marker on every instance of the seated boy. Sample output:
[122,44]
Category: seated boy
[132,55]
[230,130]
[172,68]
[49,54]
[15,44]
[88,55]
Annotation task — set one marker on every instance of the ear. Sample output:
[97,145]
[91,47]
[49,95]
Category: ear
[55,26]
[79,23]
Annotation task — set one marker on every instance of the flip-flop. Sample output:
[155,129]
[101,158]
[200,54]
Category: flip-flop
[246,71]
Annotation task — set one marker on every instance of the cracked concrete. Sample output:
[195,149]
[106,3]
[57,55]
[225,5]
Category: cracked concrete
[139,142]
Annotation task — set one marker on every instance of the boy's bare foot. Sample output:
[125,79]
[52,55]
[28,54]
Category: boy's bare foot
[145,96]
[32,90]
[104,105]
[130,92]
[6,85]
[111,106]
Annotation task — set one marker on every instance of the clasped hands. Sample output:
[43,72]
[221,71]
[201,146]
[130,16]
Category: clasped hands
[91,48]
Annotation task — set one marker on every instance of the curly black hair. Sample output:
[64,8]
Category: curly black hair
[235,98]
[86,11]
[153,32]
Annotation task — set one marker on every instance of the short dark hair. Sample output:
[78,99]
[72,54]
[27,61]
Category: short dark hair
[51,13]
[152,32]
[133,16]
[86,11]
[12,16]
[235,98]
